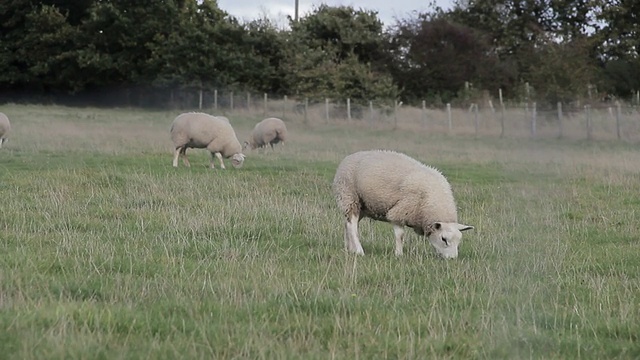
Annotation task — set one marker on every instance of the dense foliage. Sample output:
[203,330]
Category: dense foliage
[563,49]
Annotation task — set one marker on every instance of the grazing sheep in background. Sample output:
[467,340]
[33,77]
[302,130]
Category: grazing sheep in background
[269,131]
[200,131]
[393,187]
[5,128]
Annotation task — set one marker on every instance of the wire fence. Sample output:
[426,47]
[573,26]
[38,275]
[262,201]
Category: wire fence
[590,121]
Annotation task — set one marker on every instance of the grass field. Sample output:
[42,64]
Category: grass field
[109,252]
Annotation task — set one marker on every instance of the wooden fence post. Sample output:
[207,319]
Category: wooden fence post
[326,109]
[306,110]
[534,115]
[502,132]
[560,128]
[215,100]
[449,117]
[395,115]
[371,111]
[284,107]
[200,94]
[476,123]
[424,114]
[587,110]
[231,101]
[349,109]
[618,111]
[266,100]
[248,100]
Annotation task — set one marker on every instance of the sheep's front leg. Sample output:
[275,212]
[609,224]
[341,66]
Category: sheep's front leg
[351,235]
[398,230]
[219,156]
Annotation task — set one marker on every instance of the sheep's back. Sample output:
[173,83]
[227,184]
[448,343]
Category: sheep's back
[197,129]
[381,179]
[267,130]
[5,125]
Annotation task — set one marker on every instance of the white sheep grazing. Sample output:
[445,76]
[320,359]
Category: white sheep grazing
[203,131]
[5,128]
[269,131]
[393,187]
[223,118]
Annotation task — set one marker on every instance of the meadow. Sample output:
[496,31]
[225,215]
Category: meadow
[107,251]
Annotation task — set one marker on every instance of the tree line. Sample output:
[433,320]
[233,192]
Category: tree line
[548,50]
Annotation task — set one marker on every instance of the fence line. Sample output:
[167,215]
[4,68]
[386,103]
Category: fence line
[593,121]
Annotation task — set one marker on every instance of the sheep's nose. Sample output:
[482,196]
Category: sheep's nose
[450,255]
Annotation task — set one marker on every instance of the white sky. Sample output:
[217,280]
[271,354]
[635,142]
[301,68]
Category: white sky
[277,10]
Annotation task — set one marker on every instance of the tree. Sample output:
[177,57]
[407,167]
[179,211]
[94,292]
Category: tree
[266,46]
[47,51]
[37,44]
[338,52]
[434,56]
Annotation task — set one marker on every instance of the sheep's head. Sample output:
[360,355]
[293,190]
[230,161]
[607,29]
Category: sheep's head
[446,237]
[237,160]
[246,145]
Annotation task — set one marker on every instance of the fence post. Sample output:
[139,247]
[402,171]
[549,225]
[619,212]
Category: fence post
[265,104]
[200,99]
[215,100]
[449,116]
[560,128]
[248,100]
[395,114]
[371,111]
[306,110]
[284,107]
[618,111]
[424,114]
[534,115]
[231,101]
[476,123]
[326,109]
[587,109]
[349,109]
[501,113]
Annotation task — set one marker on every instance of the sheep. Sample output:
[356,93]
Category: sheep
[269,131]
[5,128]
[392,187]
[200,131]
[223,118]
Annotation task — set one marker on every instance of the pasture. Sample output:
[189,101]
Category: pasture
[109,252]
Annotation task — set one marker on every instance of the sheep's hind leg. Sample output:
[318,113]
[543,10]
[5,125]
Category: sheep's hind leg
[176,154]
[351,235]
[398,230]
[185,160]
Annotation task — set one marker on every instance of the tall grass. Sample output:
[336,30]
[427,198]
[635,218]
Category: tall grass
[109,252]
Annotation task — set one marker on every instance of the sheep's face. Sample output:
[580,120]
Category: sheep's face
[246,145]
[446,237]
[237,160]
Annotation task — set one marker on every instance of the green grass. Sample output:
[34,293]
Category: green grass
[109,252]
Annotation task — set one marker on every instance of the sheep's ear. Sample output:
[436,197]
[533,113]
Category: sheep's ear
[463,227]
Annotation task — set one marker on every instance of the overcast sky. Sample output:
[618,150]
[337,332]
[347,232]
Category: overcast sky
[277,10]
